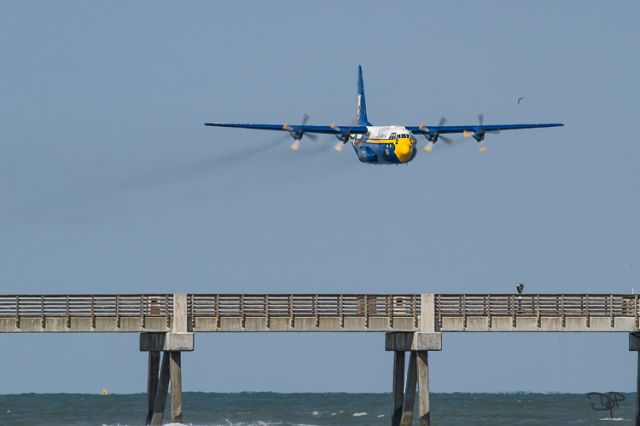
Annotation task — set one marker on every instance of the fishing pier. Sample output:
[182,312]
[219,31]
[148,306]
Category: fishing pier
[413,325]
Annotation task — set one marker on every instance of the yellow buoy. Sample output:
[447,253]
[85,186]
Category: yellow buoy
[104,391]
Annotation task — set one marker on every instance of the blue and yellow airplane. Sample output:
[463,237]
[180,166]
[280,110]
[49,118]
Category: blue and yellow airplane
[384,144]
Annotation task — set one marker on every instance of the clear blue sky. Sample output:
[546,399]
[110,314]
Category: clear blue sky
[109,182]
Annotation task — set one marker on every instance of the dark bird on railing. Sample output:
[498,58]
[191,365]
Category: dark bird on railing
[520,288]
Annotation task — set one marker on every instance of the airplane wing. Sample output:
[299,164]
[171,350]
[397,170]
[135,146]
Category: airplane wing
[297,128]
[476,128]
[420,130]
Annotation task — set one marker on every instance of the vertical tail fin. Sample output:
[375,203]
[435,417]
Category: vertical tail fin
[361,107]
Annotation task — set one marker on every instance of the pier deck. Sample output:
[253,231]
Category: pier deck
[322,312]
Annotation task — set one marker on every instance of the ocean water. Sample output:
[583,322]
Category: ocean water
[264,409]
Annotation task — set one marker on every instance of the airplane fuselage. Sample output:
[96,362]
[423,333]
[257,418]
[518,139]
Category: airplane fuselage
[385,145]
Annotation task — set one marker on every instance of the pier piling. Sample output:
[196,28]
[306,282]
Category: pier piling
[152,382]
[417,378]
[410,392]
[634,346]
[398,387]
[171,344]
[176,387]
[424,413]
[161,392]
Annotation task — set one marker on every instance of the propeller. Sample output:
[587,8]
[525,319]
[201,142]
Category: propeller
[479,132]
[297,133]
[434,135]
[342,136]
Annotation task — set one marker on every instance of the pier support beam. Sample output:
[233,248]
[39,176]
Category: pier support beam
[176,387]
[418,345]
[170,372]
[161,393]
[410,392]
[398,387]
[424,409]
[172,344]
[152,382]
[634,346]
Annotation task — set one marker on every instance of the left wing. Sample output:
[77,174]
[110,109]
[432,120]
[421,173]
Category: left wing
[476,128]
[297,128]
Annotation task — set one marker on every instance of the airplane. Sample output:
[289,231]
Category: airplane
[384,144]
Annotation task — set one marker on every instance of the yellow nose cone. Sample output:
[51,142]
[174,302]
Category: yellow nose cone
[403,150]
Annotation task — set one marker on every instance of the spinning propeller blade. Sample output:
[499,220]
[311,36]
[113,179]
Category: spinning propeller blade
[342,136]
[297,133]
[434,135]
[479,133]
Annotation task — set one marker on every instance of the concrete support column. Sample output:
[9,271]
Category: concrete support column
[161,393]
[176,387]
[398,387]
[427,319]
[169,372]
[418,345]
[634,346]
[424,413]
[172,345]
[180,314]
[152,382]
[410,392]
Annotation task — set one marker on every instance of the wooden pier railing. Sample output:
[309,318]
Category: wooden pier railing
[549,312]
[304,305]
[322,312]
